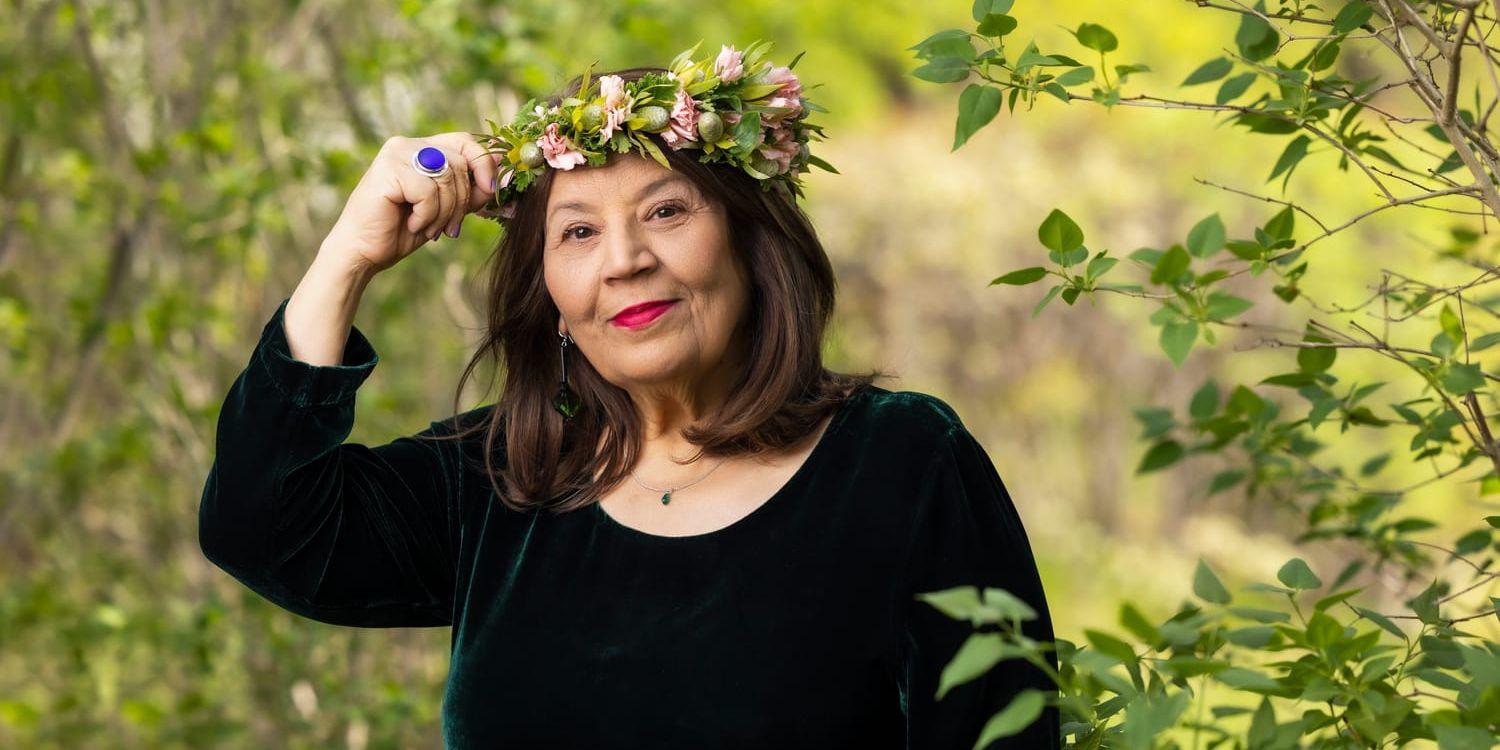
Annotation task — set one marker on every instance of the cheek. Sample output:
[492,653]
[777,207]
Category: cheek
[568,289]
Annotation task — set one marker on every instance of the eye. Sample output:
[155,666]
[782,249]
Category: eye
[568,233]
[676,208]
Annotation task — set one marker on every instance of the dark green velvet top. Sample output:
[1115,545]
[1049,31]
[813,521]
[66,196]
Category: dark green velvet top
[794,627]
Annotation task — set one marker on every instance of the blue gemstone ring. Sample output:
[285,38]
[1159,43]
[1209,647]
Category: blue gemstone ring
[430,161]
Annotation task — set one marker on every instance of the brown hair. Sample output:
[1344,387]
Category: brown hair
[781,394]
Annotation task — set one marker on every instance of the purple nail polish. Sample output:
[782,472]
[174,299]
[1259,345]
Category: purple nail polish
[453,232]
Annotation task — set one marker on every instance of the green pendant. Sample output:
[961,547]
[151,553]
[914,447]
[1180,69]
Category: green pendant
[667,498]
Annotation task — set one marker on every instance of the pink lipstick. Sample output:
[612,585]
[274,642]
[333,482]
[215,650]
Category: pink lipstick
[640,316]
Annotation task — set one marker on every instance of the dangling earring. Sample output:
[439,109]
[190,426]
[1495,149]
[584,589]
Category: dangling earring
[566,402]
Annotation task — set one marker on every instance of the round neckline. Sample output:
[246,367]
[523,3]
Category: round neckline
[798,478]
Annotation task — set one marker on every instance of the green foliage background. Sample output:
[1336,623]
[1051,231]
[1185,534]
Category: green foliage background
[168,168]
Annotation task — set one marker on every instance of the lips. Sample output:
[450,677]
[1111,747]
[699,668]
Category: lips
[638,315]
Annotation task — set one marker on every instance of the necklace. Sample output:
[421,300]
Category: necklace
[667,491]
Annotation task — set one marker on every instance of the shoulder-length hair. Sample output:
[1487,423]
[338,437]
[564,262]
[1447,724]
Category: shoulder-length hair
[776,402]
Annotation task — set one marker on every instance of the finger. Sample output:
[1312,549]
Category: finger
[457,198]
[485,167]
[422,193]
[463,179]
[445,194]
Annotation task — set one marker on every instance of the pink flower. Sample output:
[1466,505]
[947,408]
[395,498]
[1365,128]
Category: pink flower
[781,147]
[558,150]
[612,88]
[617,106]
[730,64]
[684,121]
[790,85]
[788,96]
[505,177]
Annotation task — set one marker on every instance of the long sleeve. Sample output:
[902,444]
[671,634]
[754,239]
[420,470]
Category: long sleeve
[343,533]
[967,532]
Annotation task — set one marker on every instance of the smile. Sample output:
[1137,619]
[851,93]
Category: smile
[644,317]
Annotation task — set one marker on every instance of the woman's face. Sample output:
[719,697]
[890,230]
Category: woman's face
[632,232]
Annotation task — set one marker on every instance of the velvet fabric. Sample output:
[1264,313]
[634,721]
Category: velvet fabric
[794,627]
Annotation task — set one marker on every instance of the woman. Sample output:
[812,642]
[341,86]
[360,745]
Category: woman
[686,532]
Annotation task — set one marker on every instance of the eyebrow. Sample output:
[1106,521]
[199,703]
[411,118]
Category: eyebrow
[651,187]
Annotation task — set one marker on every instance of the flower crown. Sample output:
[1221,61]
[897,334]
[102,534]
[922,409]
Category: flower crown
[734,108]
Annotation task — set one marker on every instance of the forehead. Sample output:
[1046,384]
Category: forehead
[624,180]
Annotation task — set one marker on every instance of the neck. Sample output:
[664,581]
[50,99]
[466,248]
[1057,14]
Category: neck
[666,410]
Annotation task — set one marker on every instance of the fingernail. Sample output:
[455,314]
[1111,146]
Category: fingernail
[495,184]
[454,231]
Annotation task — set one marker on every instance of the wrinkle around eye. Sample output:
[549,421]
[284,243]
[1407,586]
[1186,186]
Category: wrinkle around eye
[681,209]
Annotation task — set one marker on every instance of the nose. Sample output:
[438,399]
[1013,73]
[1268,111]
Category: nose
[627,251]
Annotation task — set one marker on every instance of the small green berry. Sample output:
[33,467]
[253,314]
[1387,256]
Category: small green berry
[656,118]
[531,155]
[711,127]
[593,117]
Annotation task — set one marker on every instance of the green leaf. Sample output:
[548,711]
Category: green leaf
[1484,342]
[1021,277]
[1212,70]
[1382,621]
[1247,679]
[1293,154]
[1295,574]
[1312,360]
[1453,737]
[1261,615]
[997,24]
[1323,631]
[1207,585]
[1008,605]
[1177,340]
[984,8]
[1161,455]
[1170,266]
[1019,714]
[1030,58]
[925,48]
[943,70]
[1351,16]
[1096,37]
[977,655]
[1206,237]
[1048,298]
[1461,378]
[1076,76]
[959,602]
[1110,646]
[1332,599]
[1132,620]
[1234,88]
[1451,324]
[1222,305]
[977,105]
[1281,225]
[1205,400]
[1059,233]
[1255,38]
[1099,266]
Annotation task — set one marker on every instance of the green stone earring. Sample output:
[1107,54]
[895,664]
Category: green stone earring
[566,402]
